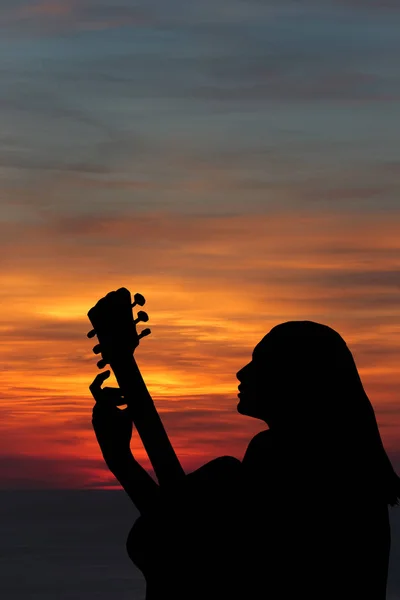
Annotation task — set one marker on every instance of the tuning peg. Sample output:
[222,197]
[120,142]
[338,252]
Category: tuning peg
[143,333]
[97,349]
[102,363]
[138,299]
[141,316]
[91,333]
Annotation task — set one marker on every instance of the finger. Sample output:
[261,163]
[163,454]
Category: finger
[111,395]
[110,412]
[95,386]
[98,380]
[103,412]
[107,413]
[107,400]
[112,390]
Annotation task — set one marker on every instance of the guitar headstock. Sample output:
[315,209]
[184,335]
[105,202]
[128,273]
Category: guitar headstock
[113,323]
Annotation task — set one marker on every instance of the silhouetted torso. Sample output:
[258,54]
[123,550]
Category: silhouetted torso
[305,514]
[187,547]
[277,526]
[323,538]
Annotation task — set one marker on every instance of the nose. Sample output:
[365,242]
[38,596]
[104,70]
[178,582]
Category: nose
[240,374]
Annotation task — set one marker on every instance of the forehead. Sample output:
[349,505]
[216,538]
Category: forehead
[278,347]
[262,348]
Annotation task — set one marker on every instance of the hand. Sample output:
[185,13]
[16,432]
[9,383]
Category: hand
[112,425]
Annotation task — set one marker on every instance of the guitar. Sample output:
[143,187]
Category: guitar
[168,548]
[113,323]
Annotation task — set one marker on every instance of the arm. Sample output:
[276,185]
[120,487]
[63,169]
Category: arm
[113,429]
[137,483]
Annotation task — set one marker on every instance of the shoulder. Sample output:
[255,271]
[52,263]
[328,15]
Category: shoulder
[223,465]
[260,444]
[218,474]
[261,440]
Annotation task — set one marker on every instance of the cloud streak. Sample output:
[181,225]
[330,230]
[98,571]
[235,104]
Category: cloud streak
[215,286]
[235,162]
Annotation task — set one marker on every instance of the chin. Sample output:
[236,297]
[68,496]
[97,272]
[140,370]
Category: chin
[242,409]
[239,408]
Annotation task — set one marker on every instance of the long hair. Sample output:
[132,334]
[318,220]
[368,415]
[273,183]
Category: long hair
[318,373]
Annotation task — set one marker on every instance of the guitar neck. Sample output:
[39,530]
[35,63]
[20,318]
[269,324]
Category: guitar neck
[148,423]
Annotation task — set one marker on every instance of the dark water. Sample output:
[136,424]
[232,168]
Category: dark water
[71,545]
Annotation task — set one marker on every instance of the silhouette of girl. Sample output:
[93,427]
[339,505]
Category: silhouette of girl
[320,468]
[306,511]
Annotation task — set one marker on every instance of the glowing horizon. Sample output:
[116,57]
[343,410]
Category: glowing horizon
[203,332]
[238,167]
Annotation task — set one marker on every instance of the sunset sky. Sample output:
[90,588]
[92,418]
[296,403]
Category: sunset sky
[235,162]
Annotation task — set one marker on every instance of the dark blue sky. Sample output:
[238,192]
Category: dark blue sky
[296,106]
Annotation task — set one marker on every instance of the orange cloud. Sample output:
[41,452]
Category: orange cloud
[215,286]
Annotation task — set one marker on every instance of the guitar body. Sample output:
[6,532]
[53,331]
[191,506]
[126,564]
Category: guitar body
[191,544]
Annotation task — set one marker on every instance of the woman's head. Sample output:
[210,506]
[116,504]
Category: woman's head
[303,379]
[295,370]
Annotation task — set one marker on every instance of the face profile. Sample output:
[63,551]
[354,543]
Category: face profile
[297,372]
[257,388]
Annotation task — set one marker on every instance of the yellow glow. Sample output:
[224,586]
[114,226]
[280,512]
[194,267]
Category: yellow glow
[210,300]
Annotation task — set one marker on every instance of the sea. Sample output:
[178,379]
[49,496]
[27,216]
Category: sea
[70,545]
